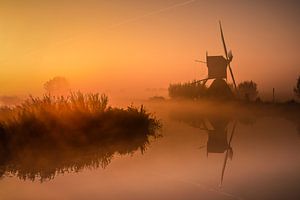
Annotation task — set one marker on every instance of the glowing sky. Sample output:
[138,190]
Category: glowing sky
[132,45]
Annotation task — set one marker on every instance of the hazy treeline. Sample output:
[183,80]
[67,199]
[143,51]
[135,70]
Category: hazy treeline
[219,89]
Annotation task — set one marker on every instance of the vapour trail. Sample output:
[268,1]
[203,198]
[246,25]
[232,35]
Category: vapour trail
[149,14]
[153,13]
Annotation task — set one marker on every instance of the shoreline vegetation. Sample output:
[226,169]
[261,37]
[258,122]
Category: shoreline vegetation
[46,136]
[218,90]
[221,90]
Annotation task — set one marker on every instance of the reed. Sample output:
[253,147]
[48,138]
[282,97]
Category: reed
[46,136]
[189,90]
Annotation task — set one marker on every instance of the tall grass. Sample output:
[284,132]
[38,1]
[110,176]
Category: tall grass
[218,90]
[189,90]
[50,135]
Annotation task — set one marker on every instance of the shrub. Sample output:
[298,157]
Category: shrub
[57,85]
[297,88]
[247,90]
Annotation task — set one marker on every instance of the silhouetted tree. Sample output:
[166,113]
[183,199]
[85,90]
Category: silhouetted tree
[297,88]
[57,85]
[248,90]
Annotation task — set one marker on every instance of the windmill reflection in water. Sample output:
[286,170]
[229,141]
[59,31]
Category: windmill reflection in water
[220,130]
[218,141]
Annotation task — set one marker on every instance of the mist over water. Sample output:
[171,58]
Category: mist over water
[262,158]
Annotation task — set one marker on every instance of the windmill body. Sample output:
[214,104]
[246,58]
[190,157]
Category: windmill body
[217,67]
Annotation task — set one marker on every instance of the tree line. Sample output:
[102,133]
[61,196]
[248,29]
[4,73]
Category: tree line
[246,90]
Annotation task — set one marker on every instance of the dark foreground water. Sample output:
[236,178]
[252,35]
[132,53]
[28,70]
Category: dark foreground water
[199,156]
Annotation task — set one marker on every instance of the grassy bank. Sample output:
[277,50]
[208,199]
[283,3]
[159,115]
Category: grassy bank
[50,135]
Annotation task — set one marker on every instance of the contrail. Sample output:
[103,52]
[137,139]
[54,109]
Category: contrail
[152,13]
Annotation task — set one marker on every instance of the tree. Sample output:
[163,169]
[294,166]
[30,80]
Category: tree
[248,90]
[57,85]
[297,88]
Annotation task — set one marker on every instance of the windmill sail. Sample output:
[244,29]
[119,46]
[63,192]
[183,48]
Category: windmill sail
[226,54]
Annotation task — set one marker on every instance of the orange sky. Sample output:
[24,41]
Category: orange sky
[131,45]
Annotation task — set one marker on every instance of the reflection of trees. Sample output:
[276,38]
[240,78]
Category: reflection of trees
[244,113]
[43,156]
[292,114]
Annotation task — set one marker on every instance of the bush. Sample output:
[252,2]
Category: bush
[297,88]
[247,90]
[57,85]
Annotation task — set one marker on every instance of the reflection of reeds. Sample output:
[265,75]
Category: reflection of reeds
[50,135]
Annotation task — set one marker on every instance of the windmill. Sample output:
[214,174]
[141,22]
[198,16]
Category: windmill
[217,65]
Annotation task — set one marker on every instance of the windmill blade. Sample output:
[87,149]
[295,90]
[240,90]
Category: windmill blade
[202,80]
[224,166]
[223,40]
[226,55]
[200,61]
[202,146]
[231,73]
[227,152]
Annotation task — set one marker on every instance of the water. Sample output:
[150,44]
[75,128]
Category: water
[185,163]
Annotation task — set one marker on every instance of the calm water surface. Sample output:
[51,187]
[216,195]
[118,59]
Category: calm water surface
[257,158]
